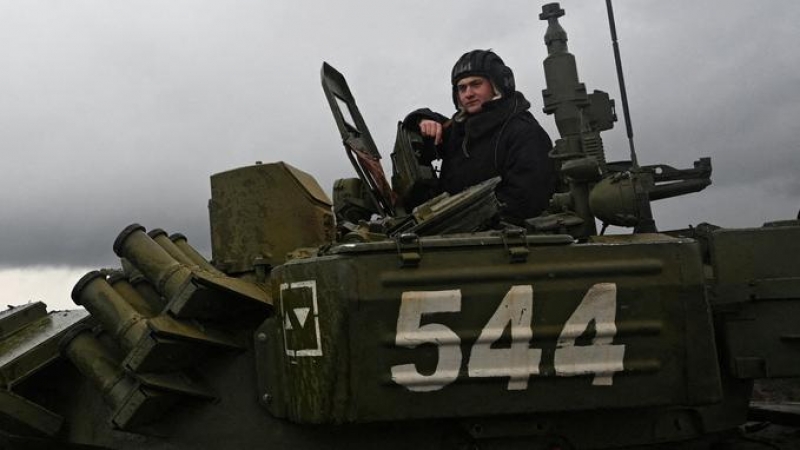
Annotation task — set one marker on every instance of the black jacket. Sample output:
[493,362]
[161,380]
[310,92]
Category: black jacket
[503,139]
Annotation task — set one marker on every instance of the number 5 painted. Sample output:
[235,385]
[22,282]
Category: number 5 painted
[410,334]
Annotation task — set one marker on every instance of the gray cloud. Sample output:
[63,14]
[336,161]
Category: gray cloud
[116,113]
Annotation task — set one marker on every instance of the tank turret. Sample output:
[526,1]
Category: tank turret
[396,317]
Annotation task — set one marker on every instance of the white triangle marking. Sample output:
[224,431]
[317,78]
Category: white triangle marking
[302,315]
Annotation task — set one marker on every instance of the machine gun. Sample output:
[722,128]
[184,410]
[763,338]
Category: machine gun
[616,193]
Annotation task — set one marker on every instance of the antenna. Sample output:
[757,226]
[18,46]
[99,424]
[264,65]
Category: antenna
[618,60]
[646,224]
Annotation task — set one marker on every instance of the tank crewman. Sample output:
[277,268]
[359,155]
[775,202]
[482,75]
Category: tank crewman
[492,133]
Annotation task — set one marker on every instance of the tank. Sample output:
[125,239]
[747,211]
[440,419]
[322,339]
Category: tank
[396,317]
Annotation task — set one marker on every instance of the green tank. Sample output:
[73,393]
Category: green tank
[392,317]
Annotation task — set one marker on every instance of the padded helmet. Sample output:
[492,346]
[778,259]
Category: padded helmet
[483,63]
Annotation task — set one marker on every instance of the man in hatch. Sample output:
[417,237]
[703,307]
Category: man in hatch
[492,133]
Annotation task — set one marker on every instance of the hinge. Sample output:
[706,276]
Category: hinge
[516,244]
[262,269]
[409,249]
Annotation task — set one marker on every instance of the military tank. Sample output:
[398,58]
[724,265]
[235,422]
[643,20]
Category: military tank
[397,317]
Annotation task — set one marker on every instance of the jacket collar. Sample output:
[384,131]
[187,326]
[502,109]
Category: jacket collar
[493,114]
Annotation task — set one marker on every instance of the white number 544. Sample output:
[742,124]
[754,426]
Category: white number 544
[518,361]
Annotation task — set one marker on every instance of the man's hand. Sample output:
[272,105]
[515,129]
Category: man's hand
[432,129]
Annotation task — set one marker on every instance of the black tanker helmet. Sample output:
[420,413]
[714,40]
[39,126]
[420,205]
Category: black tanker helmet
[483,63]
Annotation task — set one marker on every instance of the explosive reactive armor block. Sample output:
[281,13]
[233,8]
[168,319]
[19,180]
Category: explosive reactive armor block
[262,212]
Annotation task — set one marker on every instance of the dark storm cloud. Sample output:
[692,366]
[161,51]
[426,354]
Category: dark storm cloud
[114,113]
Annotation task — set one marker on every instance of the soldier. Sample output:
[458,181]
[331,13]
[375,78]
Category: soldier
[492,133]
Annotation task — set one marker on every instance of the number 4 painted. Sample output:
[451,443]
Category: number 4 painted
[519,361]
[599,305]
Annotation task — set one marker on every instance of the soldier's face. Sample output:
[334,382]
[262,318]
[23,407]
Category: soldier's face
[473,92]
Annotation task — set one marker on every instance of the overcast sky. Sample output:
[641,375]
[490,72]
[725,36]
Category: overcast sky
[117,112]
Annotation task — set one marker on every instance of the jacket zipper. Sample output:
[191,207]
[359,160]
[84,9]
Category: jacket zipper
[464,143]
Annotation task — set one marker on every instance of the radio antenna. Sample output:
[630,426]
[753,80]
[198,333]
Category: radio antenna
[618,59]
[645,224]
